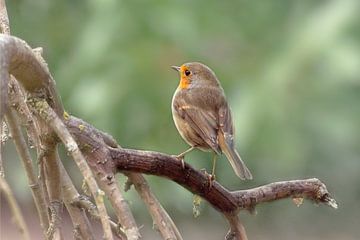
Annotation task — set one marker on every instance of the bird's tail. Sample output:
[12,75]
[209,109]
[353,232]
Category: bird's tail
[234,158]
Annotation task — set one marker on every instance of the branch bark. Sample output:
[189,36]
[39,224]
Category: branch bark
[222,199]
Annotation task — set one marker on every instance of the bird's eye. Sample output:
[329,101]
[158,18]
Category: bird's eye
[187,72]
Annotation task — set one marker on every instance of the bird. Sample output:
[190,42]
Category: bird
[203,118]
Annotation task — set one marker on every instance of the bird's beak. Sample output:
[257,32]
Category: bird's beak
[176,68]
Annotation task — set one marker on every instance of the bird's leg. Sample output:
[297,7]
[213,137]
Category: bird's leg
[182,155]
[214,166]
[212,175]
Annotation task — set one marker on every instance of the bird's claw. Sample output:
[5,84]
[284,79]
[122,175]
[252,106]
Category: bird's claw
[211,177]
[180,157]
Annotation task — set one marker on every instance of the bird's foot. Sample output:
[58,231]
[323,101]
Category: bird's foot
[180,157]
[211,177]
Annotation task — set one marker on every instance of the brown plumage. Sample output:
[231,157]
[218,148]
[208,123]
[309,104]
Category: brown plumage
[202,115]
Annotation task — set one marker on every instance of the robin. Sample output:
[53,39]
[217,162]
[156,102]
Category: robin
[203,117]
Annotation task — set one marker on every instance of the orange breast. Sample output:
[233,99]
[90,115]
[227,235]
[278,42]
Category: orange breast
[184,83]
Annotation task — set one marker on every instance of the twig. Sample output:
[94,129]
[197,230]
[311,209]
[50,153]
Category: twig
[4,28]
[78,216]
[312,189]
[163,222]
[84,203]
[18,217]
[4,76]
[53,184]
[4,19]
[237,230]
[17,102]
[46,113]
[26,160]
[54,231]
[3,139]
[120,205]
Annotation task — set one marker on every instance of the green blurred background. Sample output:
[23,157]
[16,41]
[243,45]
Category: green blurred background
[291,71]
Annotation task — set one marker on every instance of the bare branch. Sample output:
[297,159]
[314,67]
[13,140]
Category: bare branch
[4,76]
[312,189]
[47,114]
[99,160]
[84,203]
[77,215]
[4,19]
[18,217]
[120,205]
[52,173]
[26,160]
[221,198]
[237,230]
[18,59]
[161,219]
[3,138]
[54,231]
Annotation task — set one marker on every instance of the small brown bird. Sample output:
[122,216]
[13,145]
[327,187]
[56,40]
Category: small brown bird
[202,115]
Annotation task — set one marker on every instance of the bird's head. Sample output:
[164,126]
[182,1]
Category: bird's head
[195,74]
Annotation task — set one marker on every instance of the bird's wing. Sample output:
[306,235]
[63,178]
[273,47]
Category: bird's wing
[226,124]
[226,143]
[203,122]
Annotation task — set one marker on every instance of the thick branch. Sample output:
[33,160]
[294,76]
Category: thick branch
[18,59]
[100,162]
[222,199]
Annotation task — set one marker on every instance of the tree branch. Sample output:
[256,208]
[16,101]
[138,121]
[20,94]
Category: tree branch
[237,230]
[78,217]
[161,219]
[227,202]
[98,158]
[18,217]
[26,160]
[4,19]
[84,203]
[42,108]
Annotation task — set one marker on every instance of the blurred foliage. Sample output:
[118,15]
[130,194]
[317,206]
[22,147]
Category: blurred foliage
[290,69]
